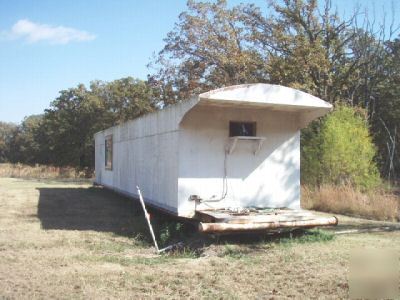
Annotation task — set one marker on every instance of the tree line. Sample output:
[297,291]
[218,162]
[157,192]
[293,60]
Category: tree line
[63,134]
[304,44]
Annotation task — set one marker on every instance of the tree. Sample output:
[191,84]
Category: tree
[386,112]
[63,135]
[21,144]
[335,60]
[342,152]
[123,99]
[29,148]
[78,113]
[7,131]
[207,48]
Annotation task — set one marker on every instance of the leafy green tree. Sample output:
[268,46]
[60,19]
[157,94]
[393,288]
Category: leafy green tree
[342,152]
[21,143]
[69,119]
[123,99]
[29,146]
[78,113]
[7,131]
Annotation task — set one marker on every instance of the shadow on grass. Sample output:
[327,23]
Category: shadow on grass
[92,208]
[101,210]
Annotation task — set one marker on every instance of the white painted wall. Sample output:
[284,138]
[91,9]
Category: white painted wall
[145,153]
[269,179]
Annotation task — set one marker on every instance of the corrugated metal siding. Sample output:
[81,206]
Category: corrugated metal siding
[145,153]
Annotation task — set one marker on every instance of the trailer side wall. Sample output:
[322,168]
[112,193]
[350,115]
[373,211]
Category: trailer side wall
[145,153]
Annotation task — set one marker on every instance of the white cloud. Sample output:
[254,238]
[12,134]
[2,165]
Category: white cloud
[35,32]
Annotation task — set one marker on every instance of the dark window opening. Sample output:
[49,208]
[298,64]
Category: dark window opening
[242,128]
[108,152]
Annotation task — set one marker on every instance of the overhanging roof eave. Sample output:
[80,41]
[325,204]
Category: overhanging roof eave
[258,104]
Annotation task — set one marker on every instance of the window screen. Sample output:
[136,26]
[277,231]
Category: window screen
[242,128]
[108,152]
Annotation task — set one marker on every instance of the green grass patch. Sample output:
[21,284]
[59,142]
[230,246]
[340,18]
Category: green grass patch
[308,236]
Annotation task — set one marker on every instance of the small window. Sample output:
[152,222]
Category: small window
[108,152]
[242,129]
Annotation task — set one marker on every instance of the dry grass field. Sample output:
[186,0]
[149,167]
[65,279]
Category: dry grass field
[377,204]
[71,240]
[42,172]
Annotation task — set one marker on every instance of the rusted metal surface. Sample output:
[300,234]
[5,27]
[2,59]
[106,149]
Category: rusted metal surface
[250,226]
[254,215]
[250,220]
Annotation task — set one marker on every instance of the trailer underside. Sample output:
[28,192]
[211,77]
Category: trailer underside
[257,219]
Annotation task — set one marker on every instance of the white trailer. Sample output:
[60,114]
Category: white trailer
[234,149]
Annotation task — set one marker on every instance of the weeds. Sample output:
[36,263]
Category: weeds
[171,231]
[378,205]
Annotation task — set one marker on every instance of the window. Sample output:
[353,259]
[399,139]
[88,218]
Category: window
[242,129]
[108,152]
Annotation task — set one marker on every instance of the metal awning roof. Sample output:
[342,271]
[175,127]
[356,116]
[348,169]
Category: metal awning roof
[258,95]
[269,96]
[261,94]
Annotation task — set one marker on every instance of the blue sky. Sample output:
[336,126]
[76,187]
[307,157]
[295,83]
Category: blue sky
[47,45]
